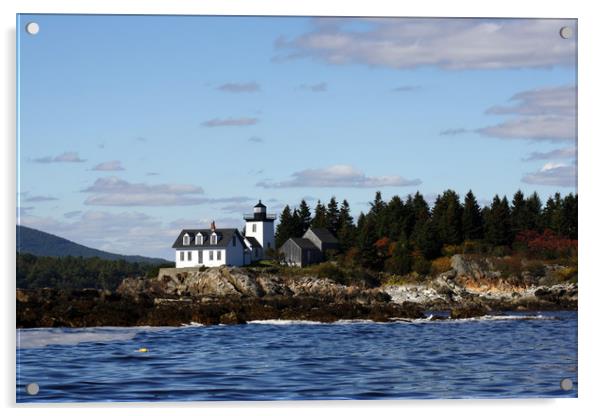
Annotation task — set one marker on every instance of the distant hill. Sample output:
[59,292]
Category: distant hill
[40,243]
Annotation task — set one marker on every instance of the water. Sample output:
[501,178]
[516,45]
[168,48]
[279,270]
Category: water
[475,358]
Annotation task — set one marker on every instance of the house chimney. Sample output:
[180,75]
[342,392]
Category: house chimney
[212,226]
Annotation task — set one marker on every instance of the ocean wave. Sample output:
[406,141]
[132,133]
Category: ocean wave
[285,322]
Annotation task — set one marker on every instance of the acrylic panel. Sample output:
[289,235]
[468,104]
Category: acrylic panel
[246,208]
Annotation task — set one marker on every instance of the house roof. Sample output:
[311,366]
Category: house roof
[253,241]
[224,236]
[324,235]
[304,243]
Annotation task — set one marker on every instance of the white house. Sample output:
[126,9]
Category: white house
[227,246]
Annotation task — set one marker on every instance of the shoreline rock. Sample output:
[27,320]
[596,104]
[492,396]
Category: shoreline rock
[234,296]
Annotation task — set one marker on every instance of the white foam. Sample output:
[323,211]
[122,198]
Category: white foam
[284,322]
[42,337]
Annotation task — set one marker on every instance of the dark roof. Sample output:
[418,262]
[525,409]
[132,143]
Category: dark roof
[303,243]
[324,235]
[253,241]
[259,205]
[224,236]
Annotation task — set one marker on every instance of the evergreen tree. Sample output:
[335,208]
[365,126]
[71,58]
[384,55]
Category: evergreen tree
[400,261]
[426,240]
[296,224]
[519,214]
[347,232]
[332,216]
[394,219]
[447,218]
[497,223]
[534,219]
[552,213]
[472,218]
[568,217]
[304,215]
[366,242]
[285,228]
[320,220]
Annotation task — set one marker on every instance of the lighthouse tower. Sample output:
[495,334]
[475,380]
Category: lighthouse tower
[260,225]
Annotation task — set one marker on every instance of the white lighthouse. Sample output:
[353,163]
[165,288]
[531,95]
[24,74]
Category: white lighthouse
[260,226]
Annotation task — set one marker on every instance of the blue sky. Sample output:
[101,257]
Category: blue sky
[132,127]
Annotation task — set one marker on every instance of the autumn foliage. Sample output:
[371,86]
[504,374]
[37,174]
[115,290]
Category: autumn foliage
[546,244]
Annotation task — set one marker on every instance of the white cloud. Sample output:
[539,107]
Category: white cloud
[445,43]
[553,174]
[565,153]
[66,157]
[546,114]
[113,191]
[40,199]
[112,165]
[230,122]
[239,87]
[320,87]
[338,176]
[454,132]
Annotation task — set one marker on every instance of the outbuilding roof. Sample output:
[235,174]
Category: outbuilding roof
[304,243]
[323,235]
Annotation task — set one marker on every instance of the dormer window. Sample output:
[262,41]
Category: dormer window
[186,240]
[198,239]
[213,239]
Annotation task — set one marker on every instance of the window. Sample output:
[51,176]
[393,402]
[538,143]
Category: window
[211,255]
[189,255]
[254,227]
[181,256]
[213,239]
[219,254]
[199,239]
[186,239]
[200,256]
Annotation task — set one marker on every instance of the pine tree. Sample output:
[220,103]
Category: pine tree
[519,214]
[534,219]
[497,223]
[332,216]
[552,213]
[447,218]
[366,243]
[400,261]
[304,215]
[347,232]
[320,220]
[568,223]
[426,240]
[284,229]
[296,224]
[472,218]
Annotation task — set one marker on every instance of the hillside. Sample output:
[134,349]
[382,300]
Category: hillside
[40,243]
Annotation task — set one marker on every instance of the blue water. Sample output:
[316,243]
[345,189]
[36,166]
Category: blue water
[484,358]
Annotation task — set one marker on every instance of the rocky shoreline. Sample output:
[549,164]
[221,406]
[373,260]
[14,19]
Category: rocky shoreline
[234,296]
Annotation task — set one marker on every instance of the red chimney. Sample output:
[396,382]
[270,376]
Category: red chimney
[213,226]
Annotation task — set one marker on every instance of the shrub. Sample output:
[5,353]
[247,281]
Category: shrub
[547,245]
[440,265]
[449,250]
[421,265]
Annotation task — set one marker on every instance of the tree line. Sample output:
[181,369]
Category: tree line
[78,272]
[403,235]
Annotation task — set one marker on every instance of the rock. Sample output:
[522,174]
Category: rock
[472,310]
[231,318]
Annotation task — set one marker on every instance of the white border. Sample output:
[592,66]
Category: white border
[589,190]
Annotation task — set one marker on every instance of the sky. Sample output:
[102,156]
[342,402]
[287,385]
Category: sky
[131,128]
